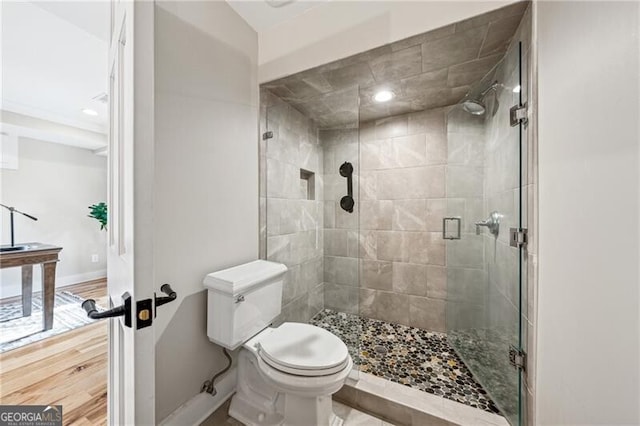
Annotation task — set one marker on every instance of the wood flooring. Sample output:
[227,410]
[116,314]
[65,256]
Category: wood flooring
[69,369]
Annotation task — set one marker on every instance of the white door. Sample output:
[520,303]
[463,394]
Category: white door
[130,257]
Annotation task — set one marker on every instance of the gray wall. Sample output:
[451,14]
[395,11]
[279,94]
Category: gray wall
[291,222]
[56,183]
[206,179]
[589,175]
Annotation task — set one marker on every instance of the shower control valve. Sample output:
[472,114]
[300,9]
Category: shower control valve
[492,223]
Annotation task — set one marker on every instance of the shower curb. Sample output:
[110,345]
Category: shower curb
[401,405]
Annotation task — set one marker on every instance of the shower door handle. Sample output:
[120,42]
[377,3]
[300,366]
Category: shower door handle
[456,233]
[346,202]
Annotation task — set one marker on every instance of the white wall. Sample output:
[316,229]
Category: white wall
[56,184]
[338,29]
[588,368]
[206,165]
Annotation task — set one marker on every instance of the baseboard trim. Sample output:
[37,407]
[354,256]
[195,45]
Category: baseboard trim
[80,278]
[201,406]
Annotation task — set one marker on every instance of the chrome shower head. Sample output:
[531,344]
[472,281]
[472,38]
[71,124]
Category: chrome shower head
[476,105]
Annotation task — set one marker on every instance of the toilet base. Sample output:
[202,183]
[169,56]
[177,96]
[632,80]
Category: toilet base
[258,403]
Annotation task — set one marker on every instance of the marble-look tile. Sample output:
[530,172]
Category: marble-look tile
[411,247]
[464,181]
[367,246]
[499,35]
[384,306]
[375,274]
[368,185]
[316,299]
[279,249]
[405,151]
[465,149]
[436,282]
[415,86]
[341,298]
[391,127]
[459,47]
[409,215]
[469,73]
[341,270]
[436,211]
[357,74]
[335,242]
[376,215]
[297,310]
[344,219]
[427,313]
[292,286]
[416,182]
[397,65]
[437,148]
[329,214]
[410,278]
[353,417]
[467,252]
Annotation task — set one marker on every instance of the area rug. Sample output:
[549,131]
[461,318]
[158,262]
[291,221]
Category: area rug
[17,331]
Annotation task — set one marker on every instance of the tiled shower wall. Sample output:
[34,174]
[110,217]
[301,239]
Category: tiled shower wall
[466,272]
[403,164]
[341,242]
[291,223]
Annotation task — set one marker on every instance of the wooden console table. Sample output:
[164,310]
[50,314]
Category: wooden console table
[35,253]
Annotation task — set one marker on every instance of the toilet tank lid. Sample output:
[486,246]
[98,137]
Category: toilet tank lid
[243,277]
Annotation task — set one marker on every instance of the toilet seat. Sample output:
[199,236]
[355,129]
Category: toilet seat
[303,350]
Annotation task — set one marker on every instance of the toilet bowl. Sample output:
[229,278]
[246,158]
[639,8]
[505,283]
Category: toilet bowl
[286,374]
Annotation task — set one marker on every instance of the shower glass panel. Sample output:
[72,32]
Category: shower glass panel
[291,204]
[339,138]
[484,278]
[309,203]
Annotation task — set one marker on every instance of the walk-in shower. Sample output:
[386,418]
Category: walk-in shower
[442,311]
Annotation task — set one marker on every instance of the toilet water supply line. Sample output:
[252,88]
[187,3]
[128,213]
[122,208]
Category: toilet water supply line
[209,386]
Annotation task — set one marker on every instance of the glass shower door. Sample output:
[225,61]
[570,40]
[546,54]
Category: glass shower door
[484,197]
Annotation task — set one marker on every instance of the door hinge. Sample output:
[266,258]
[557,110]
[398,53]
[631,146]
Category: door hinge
[517,358]
[518,237]
[518,114]
[267,135]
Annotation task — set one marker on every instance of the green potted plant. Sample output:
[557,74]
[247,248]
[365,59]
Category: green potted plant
[99,212]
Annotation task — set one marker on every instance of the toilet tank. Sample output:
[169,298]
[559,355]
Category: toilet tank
[242,301]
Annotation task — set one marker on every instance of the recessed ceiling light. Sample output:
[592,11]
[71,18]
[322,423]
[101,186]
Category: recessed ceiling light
[90,112]
[516,89]
[383,96]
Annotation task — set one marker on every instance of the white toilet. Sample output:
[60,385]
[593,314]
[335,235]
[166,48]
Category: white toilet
[286,375]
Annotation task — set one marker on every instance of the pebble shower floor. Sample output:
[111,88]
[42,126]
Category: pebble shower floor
[411,356]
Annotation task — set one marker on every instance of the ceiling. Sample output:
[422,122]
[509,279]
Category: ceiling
[264,14]
[54,61]
[426,71]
